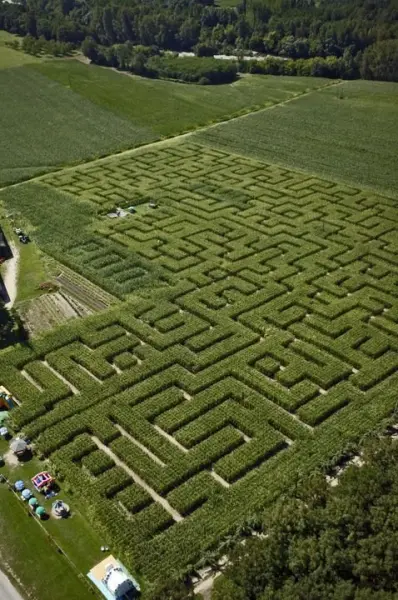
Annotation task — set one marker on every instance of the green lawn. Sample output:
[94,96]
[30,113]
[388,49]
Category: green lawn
[44,125]
[227,3]
[348,132]
[169,108]
[12,58]
[30,553]
[32,263]
[62,112]
[31,272]
[27,552]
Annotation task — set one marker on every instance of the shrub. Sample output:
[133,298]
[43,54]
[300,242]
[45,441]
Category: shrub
[193,69]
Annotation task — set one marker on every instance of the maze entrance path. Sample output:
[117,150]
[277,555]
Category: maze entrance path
[273,344]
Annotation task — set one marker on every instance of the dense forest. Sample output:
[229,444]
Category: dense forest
[321,542]
[359,37]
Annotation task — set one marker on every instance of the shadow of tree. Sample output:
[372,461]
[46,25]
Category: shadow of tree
[12,328]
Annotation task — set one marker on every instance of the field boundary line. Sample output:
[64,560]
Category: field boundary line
[171,139]
[305,172]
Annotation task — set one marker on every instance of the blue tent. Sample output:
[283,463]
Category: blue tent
[19,485]
[26,494]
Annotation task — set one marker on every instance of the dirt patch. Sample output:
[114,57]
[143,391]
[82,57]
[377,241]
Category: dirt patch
[48,311]
[83,291]
[205,587]
[81,58]
[10,459]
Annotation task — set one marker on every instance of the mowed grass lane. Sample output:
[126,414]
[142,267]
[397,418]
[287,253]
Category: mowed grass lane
[44,125]
[167,107]
[348,132]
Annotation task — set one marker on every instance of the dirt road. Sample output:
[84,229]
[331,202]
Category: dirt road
[10,277]
[7,590]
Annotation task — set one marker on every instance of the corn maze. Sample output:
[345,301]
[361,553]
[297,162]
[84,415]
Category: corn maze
[271,344]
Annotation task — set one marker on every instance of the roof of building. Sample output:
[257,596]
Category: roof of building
[18,445]
[117,582]
[110,576]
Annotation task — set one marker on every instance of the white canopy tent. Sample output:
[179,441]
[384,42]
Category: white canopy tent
[117,582]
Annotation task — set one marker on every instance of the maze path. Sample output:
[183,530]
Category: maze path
[274,343]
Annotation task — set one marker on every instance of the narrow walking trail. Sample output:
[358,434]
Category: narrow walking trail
[157,498]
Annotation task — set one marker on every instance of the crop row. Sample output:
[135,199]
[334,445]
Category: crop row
[215,510]
[272,345]
[107,498]
[290,371]
[97,462]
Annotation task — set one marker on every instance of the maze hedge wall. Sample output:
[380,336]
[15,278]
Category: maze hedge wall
[273,344]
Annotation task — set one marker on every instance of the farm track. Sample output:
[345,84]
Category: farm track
[10,276]
[7,589]
[172,139]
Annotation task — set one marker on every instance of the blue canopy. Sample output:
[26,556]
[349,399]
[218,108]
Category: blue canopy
[26,494]
[19,485]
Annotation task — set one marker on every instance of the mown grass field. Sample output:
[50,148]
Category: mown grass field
[32,269]
[268,345]
[10,58]
[62,112]
[44,125]
[168,108]
[348,132]
[29,556]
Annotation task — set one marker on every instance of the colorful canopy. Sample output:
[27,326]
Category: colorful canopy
[19,485]
[26,494]
[41,480]
[40,511]
[32,501]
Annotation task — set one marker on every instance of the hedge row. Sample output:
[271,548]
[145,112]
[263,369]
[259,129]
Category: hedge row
[134,498]
[97,462]
[189,496]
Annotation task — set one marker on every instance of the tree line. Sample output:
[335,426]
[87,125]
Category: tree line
[319,542]
[361,34]
[149,62]
[41,46]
